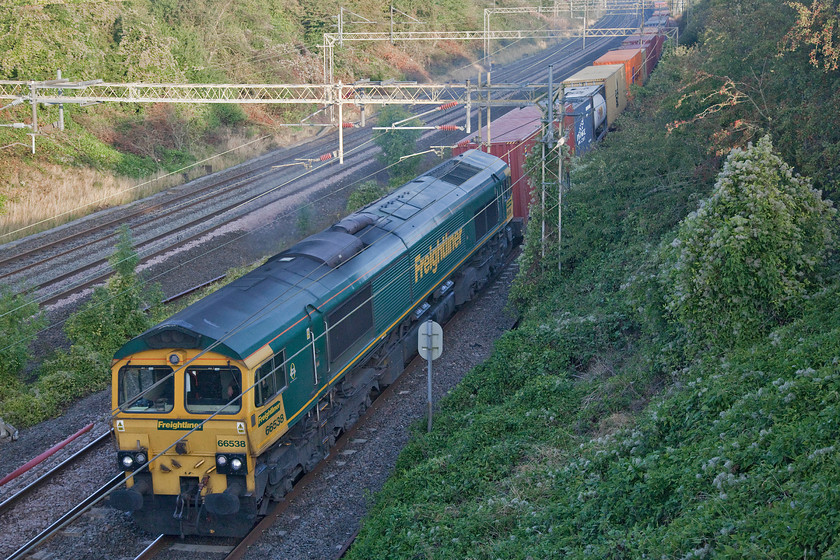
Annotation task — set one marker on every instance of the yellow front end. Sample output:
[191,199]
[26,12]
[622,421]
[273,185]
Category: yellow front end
[180,428]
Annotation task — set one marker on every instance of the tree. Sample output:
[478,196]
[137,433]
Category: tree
[742,261]
[398,143]
[819,27]
[366,193]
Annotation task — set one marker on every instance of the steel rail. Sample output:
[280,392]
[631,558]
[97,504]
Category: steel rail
[140,211]
[71,515]
[8,502]
[100,277]
[222,185]
[347,544]
[278,508]
[157,546]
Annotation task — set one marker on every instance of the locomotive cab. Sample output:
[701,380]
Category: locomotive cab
[173,410]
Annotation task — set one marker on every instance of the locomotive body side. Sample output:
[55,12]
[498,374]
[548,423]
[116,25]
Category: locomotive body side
[248,388]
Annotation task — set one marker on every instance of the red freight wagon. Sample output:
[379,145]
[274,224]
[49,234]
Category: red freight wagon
[652,44]
[511,136]
[632,61]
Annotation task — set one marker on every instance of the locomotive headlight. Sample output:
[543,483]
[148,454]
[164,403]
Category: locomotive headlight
[130,459]
[231,463]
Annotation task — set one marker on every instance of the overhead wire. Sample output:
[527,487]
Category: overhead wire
[181,170]
[126,190]
[251,200]
[252,232]
[187,167]
[283,365]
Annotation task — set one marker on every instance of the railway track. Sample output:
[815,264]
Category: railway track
[78,260]
[346,447]
[147,219]
[65,519]
[7,503]
[164,542]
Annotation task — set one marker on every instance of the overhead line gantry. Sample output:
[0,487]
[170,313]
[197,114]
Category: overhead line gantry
[331,94]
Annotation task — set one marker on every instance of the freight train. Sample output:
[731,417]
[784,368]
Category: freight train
[593,98]
[221,408]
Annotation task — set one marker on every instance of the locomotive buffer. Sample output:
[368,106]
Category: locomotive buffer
[430,347]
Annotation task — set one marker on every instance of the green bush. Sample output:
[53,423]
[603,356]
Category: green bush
[134,166]
[24,408]
[396,144]
[638,444]
[116,312]
[227,114]
[364,194]
[124,308]
[304,220]
[175,160]
[20,321]
[65,378]
[743,261]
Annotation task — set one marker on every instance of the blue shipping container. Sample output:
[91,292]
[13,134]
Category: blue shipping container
[583,130]
[585,114]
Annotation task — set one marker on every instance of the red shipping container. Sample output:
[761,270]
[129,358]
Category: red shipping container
[632,61]
[652,44]
[511,137]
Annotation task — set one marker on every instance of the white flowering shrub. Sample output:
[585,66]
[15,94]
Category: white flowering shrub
[742,261]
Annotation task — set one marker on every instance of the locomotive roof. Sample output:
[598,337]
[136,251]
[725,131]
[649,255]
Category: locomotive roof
[243,316]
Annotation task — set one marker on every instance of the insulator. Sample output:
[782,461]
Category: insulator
[447,127]
[448,105]
[325,157]
[347,125]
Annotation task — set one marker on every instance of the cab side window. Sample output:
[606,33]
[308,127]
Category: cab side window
[270,379]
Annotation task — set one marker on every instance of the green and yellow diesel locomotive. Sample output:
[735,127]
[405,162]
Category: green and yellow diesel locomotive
[221,408]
